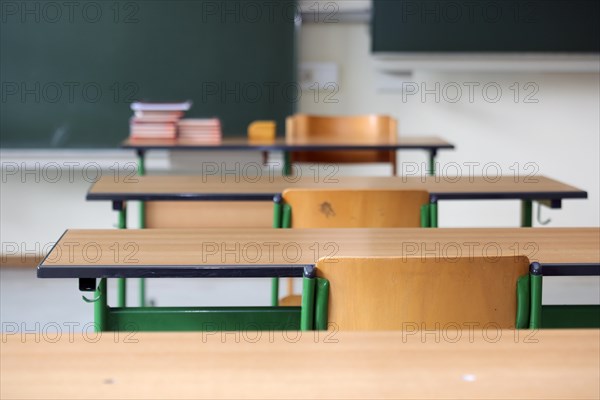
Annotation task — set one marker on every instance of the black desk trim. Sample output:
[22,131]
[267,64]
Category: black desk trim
[269,196]
[288,147]
[182,196]
[176,271]
[571,269]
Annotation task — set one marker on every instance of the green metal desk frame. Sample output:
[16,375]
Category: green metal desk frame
[527,211]
[571,316]
[121,208]
[313,312]
[141,172]
[122,318]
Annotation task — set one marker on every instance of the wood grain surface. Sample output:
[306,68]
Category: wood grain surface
[165,247]
[549,364]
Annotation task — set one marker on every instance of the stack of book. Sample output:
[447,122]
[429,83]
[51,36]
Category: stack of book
[156,120]
[206,130]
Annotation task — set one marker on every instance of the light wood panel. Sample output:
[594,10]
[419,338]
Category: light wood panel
[23,261]
[208,214]
[338,129]
[167,247]
[265,183]
[397,293]
[363,129]
[411,365]
[367,208]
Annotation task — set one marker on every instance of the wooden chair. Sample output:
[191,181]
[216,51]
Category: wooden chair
[347,208]
[365,129]
[423,293]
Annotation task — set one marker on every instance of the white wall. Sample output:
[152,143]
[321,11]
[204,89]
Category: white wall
[39,201]
[559,134]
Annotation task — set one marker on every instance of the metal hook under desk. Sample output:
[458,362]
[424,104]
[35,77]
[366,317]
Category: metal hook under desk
[90,300]
[539,216]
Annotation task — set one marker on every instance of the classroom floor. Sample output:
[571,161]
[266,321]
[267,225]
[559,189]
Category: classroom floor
[31,304]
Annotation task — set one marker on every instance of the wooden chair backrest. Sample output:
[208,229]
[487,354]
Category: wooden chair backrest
[343,129]
[422,293]
[355,208]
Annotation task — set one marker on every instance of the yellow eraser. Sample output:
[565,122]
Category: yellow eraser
[262,130]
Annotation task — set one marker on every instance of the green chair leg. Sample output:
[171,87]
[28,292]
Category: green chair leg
[277,212]
[535,316]
[433,215]
[141,172]
[425,216]
[322,304]
[274,292]
[101,307]
[523,319]
[121,282]
[308,304]
[142,292]
[281,219]
[121,292]
[526,213]
[286,219]
[277,217]
[432,154]
[287,164]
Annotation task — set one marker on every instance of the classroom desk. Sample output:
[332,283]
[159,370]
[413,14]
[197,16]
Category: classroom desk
[267,365]
[92,253]
[267,187]
[260,253]
[430,144]
[264,188]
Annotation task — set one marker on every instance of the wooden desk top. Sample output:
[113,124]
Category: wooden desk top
[239,252]
[559,364]
[242,143]
[264,187]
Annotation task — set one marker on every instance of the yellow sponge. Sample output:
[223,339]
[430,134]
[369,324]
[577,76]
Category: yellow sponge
[263,131]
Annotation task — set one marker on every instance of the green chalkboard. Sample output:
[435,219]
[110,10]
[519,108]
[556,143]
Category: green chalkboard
[499,26]
[71,69]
